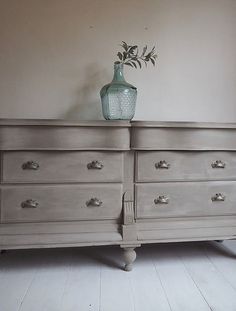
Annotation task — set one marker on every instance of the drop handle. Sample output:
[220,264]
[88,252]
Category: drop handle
[30,203]
[162,165]
[218,164]
[95,202]
[218,197]
[95,165]
[161,199]
[30,165]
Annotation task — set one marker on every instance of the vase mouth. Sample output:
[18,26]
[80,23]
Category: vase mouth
[118,64]
[118,72]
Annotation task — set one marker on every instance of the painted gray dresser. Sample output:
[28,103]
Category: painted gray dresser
[66,183]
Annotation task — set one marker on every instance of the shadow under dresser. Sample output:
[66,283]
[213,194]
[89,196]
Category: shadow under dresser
[82,183]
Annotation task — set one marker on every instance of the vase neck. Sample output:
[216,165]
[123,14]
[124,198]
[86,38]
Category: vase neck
[118,73]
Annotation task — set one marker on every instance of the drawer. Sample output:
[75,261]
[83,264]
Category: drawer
[183,136]
[64,135]
[176,165]
[60,203]
[62,166]
[182,199]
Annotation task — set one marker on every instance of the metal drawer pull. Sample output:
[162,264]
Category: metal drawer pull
[162,164]
[162,199]
[218,197]
[218,164]
[30,165]
[95,165]
[29,204]
[94,202]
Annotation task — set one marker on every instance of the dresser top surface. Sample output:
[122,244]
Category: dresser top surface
[115,123]
[182,124]
[63,122]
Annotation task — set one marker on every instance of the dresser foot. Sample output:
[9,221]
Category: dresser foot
[219,241]
[129,257]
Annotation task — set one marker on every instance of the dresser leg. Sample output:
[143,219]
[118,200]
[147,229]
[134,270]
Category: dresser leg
[129,257]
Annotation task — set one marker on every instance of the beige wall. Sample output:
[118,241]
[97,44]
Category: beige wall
[55,55]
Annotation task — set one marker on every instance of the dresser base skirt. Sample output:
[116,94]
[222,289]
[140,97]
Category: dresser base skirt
[63,234]
[146,231]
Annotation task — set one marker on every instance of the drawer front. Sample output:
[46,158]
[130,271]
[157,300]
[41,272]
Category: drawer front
[22,167]
[174,166]
[54,135]
[183,138]
[185,199]
[59,203]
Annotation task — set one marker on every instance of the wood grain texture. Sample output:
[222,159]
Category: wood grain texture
[158,138]
[60,203]
[172,272]
[62,167]
[184,166]
[182,124]
[64,138]
[210,281]
[167,277]
[58,234]
[185,199]
[128,181]
[64,122]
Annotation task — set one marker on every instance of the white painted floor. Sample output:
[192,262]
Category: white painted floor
[179,277]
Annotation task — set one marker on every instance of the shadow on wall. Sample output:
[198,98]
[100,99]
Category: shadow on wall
[87,105]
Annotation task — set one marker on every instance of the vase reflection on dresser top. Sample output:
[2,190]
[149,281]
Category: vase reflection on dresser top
[118,97]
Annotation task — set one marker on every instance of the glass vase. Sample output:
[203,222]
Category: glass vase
[118,97]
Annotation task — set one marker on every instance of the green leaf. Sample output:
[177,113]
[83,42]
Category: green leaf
[153,50]
[130,55]
[125,45]
[119,54]
[144,51]
[153,61]
[124,56]
[140,64]
[148,56]
[128,64]
[132,49]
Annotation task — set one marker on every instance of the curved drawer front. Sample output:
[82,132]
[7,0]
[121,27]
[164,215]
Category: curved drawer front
[176,138]
[64,166]
[60,203]
[185,199]
[173,166]
[65,137]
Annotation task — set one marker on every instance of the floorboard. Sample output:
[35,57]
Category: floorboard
[146,286]
[181,290]
[216,289]
[198,276]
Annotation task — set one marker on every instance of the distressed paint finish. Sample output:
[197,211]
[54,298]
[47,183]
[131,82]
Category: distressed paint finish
[148,182]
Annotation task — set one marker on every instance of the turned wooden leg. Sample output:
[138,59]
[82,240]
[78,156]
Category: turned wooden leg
[129,257]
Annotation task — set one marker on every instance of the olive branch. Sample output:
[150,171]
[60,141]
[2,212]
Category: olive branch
[131,57]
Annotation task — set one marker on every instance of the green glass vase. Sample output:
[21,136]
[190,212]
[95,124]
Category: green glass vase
[118,97]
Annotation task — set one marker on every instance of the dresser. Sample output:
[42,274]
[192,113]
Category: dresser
[69,184]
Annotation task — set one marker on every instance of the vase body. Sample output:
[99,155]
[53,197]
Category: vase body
[118,97]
